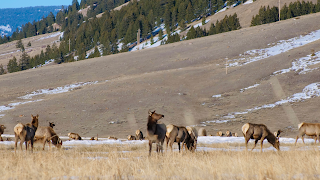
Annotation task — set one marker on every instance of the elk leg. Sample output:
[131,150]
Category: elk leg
[179,146]
[15,143]
[317,137]
[150,147]
[296,140]
[255,143]
[32,145]
[302,137]
[261,144]
[247,140]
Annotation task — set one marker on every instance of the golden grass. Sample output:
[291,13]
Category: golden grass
[133,162]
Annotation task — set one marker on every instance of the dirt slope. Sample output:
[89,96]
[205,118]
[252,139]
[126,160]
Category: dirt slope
[177,80]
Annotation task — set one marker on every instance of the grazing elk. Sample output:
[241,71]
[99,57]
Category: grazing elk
[139,135]
[130,137]
[26,132]
[178,134]
[156,131]
[259,132]
[310,129]
[193,133]
[2,128]
[47,134]
[74,136]
[202,132]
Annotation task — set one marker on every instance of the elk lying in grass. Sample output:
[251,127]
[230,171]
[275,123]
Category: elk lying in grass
[94,138]
[179,134]
[2,128]
[193,133]
[228,134]
[220,133]
[26,132]
[139,135]
[259,132]
[74,136]
[112,137]
[156,131]
[202,132]
[235,134]
[310,129]
[130,137]
[47,134]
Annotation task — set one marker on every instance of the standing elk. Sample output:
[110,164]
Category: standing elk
[193,133]
[310,129]
[26,132]
[2,128]
[74,136]
[139,135]
[156,131]
[179,134]
[259,132]
[202,132]
[47,134]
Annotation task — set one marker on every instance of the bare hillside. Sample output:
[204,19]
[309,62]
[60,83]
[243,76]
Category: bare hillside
[185,81]
[38,43]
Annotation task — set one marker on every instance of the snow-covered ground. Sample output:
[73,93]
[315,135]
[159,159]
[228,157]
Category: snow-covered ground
[205,143]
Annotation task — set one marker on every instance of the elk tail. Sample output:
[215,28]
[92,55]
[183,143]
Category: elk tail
[245,128]
[299,125]
[18,128]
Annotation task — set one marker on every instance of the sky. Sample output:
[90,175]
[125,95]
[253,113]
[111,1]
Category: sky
[28,3]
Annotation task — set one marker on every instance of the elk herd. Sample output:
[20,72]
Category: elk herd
[158,133]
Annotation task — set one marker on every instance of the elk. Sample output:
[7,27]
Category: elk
[47,134]
[139,135]
[26,132]
[2,128]
[193,133]
[51,124]
[228,134]
[94,138]
[74,136]
[130,137]
[259,132]
[202,132]
[220,133]
[235,134]
[178,134]
[156,131]
[310,129]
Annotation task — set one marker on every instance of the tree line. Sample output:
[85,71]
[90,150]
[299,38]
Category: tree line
[269,15]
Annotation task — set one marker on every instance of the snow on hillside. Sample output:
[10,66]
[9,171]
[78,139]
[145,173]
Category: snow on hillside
[5,30]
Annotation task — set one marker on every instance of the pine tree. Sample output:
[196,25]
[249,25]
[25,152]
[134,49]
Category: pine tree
[160,34]
[20,45]
[191,33]
[24,61]
[12,65]
[2,71]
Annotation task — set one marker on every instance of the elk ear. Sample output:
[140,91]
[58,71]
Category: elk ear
[37,115]
[150,113]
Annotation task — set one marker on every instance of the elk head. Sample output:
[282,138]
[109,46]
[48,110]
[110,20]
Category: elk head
[154,116]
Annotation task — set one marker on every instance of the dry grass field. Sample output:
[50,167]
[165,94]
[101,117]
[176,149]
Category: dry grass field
[133,162]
